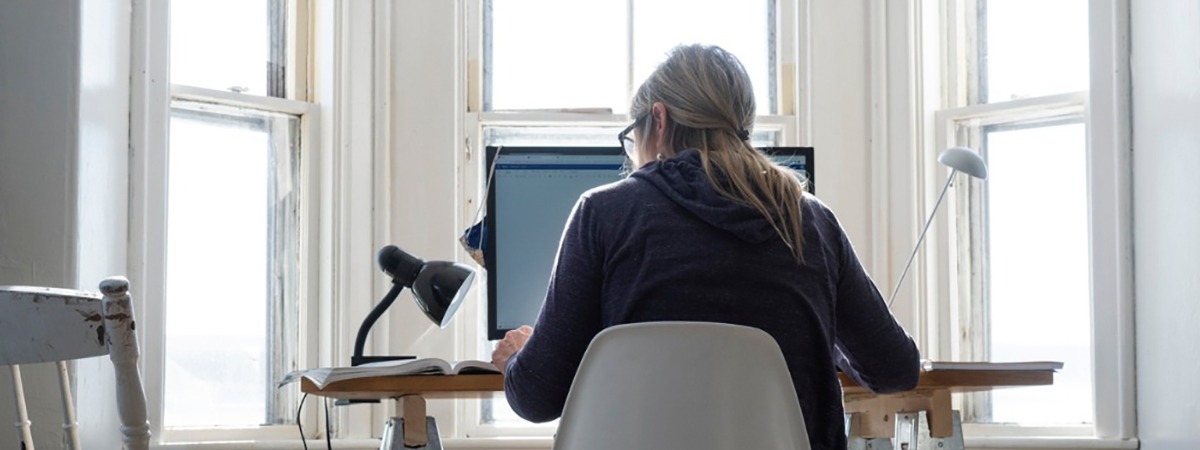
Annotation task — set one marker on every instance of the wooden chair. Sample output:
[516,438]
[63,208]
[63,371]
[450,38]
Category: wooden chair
[58,325]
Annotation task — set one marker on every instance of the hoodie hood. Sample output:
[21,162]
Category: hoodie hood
[682,179]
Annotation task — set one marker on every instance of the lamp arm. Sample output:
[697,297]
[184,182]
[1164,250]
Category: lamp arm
[921,238]
[369,321]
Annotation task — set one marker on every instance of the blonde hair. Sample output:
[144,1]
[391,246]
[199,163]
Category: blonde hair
[710,107]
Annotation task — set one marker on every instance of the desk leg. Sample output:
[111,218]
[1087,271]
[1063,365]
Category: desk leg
[955,440]
[941,426]
[913,433]
[908,435]
[907,430]
[858,443]
[393,435]
[422,432]
[907,425]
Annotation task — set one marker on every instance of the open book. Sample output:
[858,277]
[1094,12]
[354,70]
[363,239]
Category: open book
[928,365]
[422,366]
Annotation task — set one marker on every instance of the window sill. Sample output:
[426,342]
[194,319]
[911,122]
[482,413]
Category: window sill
[990,443]
[293,444]
[1049,443]
[504,443]
[499,443]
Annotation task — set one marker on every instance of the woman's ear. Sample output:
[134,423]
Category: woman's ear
[659,112]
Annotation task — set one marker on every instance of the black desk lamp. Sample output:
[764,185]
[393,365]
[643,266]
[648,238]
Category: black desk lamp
[437,286]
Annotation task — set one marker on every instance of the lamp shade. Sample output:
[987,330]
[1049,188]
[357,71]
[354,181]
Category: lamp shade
[964,160]
[440,289]
[438,286]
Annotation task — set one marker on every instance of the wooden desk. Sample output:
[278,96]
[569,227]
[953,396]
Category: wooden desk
[432,386]
[875,415]
[472,386]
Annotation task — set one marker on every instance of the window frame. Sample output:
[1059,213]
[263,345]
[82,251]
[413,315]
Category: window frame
[960,327]
[790,123]
[151,105]
[938,58]
[306,355]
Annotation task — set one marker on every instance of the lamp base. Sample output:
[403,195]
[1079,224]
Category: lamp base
[360,360]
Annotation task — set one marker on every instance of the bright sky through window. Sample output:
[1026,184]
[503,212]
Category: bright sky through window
[220,44]
[549,54]
[1035,47]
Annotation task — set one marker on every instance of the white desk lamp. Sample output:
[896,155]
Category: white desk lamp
[958,159]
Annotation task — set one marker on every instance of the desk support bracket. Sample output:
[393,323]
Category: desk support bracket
[413,429]
[912,432]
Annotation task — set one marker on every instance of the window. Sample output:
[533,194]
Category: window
[574,89]
[1020,257]
[610,47]
[237,216]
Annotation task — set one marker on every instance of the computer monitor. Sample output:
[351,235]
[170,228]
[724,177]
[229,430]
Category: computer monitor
[532,191]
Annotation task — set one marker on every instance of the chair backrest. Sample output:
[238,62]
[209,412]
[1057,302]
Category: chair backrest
[40,324]
[682,385]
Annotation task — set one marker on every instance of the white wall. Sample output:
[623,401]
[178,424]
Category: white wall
[38,48]
[1165,59]
[423,130]
[841,114]
[103,181]
[63,124]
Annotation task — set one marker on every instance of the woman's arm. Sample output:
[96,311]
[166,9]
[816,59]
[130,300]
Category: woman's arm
[870,346]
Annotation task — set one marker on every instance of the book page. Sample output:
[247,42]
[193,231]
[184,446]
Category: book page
[474,367]
[928,365]
[326,375]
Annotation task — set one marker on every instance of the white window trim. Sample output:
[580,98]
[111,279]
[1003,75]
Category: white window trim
[1110,205]
[308,114]
[149,108]
[356,70]
[327,326]
[1106,108]
[952,310]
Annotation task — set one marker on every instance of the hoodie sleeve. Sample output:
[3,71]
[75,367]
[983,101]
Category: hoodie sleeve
[870,346]
[537,378]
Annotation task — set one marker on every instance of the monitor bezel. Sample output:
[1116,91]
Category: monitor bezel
[493,332]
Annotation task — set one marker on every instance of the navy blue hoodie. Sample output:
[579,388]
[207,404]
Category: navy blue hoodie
[664,245]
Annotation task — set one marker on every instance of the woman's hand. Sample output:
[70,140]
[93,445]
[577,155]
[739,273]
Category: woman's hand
[512,343]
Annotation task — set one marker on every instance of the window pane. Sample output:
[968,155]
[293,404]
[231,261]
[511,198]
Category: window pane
[231,248]
[1033,48]
[555,54]
[546,54]
[744,28]
[1039,290]
[226,44]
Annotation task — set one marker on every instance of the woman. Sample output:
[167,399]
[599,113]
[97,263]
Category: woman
[708,229]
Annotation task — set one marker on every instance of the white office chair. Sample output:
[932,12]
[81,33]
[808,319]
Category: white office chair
[57,325]
[682,385]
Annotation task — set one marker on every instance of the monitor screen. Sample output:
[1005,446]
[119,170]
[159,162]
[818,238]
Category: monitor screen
[531,193]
